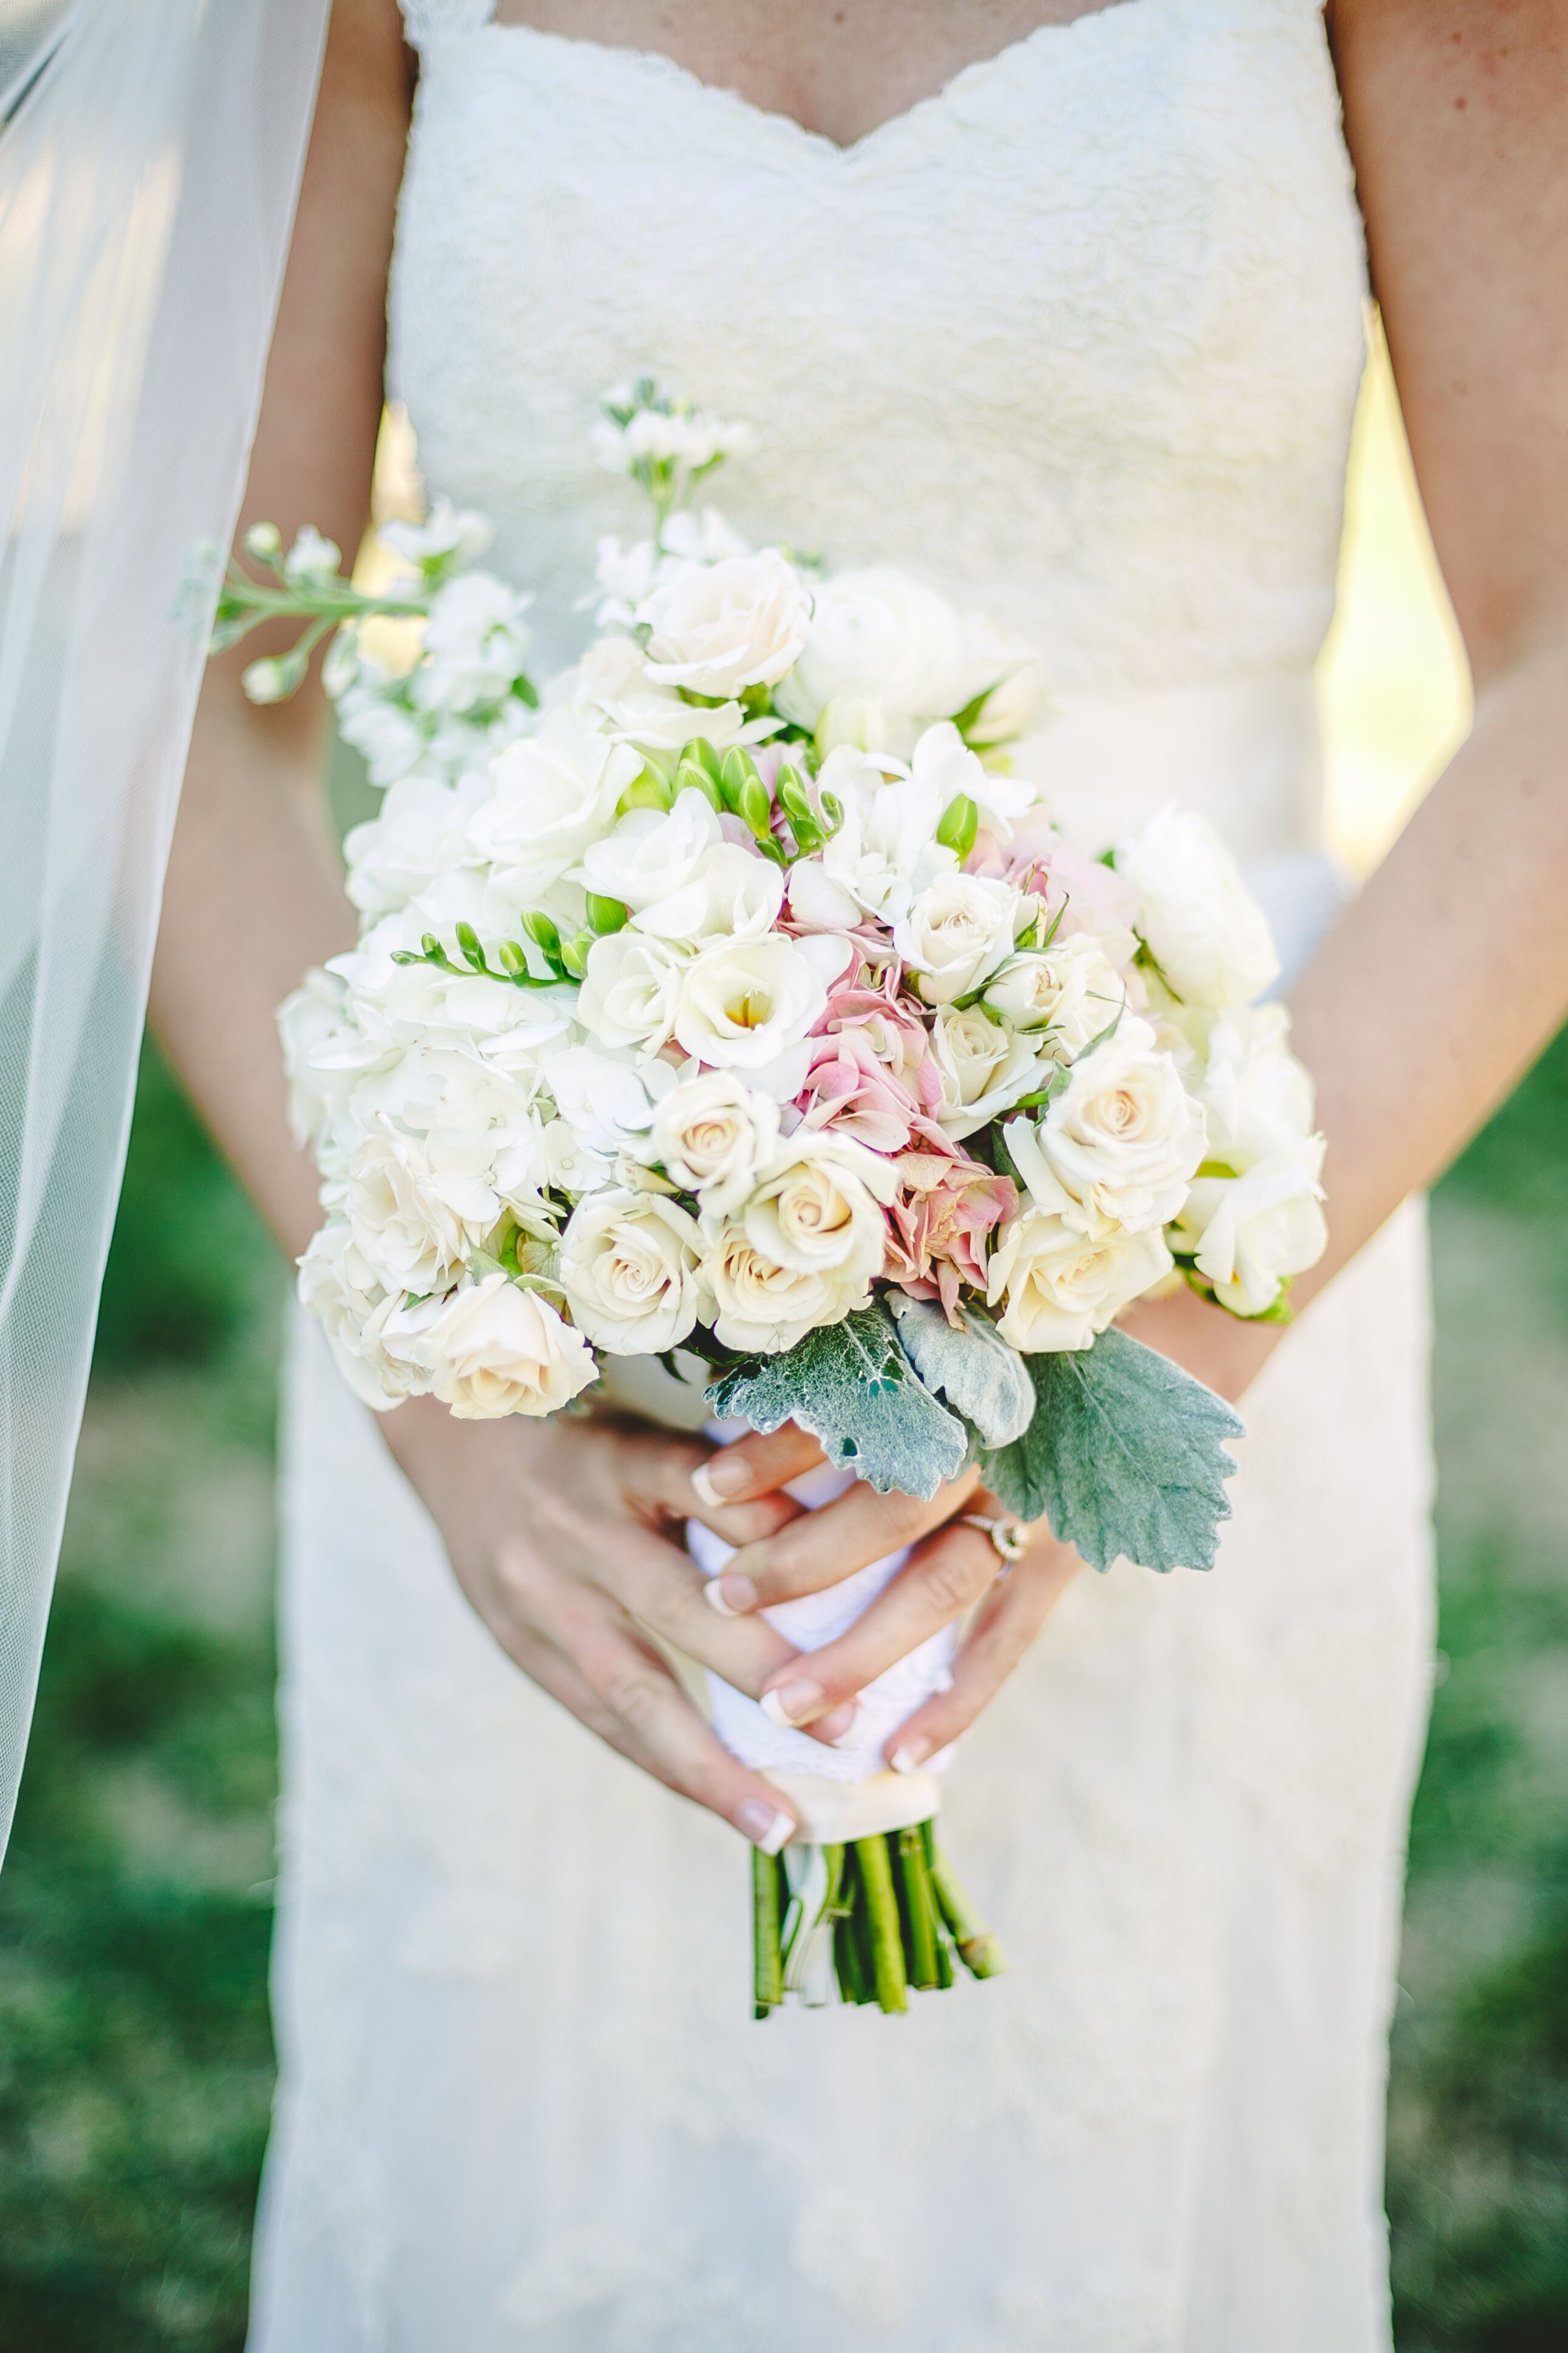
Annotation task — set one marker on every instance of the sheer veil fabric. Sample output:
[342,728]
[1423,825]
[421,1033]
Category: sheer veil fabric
[149,160]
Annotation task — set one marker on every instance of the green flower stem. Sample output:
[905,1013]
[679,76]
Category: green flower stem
[977,1948]
[882,1916]
[767,1972]
[919,1908]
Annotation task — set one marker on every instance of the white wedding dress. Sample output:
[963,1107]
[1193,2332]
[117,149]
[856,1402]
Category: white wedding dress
[1079,339]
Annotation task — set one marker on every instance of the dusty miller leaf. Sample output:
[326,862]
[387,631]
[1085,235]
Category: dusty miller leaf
[968,1364]
[852,1387]
[1124,1456]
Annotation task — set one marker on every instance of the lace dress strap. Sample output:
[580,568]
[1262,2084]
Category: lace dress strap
[428,20]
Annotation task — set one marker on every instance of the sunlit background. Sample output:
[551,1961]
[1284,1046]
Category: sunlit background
[135,1912]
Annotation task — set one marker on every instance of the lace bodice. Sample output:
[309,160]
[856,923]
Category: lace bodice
[1080,336]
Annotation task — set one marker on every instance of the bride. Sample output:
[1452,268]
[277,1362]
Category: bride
[1074,294]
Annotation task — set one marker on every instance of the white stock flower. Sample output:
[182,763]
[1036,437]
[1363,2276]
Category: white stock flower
[1250,1234]
[475,644]
[553,793]
[1061,1286]
[317,1014]
[449,537]
[1258,1096]
[744,1001]
[718,628]
[1071,993]
[607,1104]
[341,1290]
[1204,928]
[414,1219]
[653,852]
[372,718]
[1120,1144]
[630,1270]
[312,562]
[957,932]
[629,996]
[984,1068]
[421,830]
[712,1135]
[674,436]
[733,893]
[495,1348]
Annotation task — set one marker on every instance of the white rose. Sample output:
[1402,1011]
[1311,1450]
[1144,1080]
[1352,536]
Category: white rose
[718,628]
[628,1266]
[421,830]
[816,1209]
[1071,994]
[413,1219]
[1061,1286]
[761,1306]
[984,1068]
[631,991]
[712,1135]
[744,1001]
[552,795]
[496,1348]
[607,1104]
[876,635]
[653,852]
[1258,1096]
[476,646]
[733,893]
[1250,1234]
[1204,928]
[957,932]
[1120,1144]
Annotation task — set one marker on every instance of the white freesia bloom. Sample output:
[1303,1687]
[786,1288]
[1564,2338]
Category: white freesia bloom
[1252,1233]
[886,851]
[1061,1286]
[1258,1096]
[1204,928]
[744,1001]
[613,682]
[1069,994]
[496,1348]
[733,893]
[653,852]
[632,991]
[476,644]
[713,1134]
[421,830]
[554,794]
[629,1269]
[943,765]
[983,1067]
[414,1219]
[718,628]
[958,931]
[1120,1144]
[605,1102]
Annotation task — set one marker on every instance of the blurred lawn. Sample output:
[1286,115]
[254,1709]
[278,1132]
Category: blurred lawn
[134,2055]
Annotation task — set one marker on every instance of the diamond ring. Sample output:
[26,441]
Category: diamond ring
[1009,1536]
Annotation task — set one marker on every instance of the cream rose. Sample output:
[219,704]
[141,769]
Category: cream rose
[762,1307]
[983,1067]
[628,1267]
[712,1135]
[717,628]
[1204,928]
[1068,995]
[958,931]
[744,1001]
[495,1348]
[630,991]
[1061,1287]
[818,1209]
[1120,1144]
[1250,1234]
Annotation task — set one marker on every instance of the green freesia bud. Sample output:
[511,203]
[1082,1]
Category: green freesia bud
[575,954]
[648,789]
[756,810]
[959,824]
[702,752]
[736,771]
[607,915]
[543,933]
[693,777]
[511,958]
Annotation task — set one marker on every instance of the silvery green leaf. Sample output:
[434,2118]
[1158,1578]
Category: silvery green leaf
[1125,1456]
[852,1387]
[969,1364]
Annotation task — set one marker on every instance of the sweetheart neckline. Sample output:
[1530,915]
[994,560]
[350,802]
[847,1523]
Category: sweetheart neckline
[723,94]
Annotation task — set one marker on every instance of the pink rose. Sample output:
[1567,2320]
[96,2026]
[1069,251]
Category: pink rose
[944,1208]
[894,1030]
[850,1089]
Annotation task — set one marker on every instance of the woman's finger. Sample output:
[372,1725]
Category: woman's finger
[823,1547]
[667,1474]
[1004,1630]
[943,1578]
[757,1465]
[657,1583]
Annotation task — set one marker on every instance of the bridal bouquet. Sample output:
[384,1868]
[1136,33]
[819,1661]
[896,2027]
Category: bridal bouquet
[730,1001]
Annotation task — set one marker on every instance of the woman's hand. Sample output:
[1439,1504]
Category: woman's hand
[565,1537]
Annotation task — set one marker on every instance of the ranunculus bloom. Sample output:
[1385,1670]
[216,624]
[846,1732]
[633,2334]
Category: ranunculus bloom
[717,628]
[848,1089]
[1204,929]
[938,1222]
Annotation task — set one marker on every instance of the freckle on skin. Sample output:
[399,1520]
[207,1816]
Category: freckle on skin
[1460,104]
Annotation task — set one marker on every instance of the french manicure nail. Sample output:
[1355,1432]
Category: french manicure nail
[791,1703]
[766,1826]
[731,1595]
[911,1756]
[837,1726]
[719,1479]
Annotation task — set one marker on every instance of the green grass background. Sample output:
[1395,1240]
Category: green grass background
[134,1910]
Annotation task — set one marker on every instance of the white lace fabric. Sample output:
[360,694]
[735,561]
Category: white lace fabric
[1079,339]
